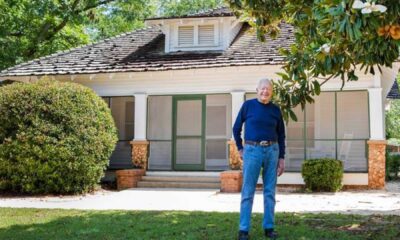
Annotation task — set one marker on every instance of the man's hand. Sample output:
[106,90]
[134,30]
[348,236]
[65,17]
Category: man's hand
[281,166]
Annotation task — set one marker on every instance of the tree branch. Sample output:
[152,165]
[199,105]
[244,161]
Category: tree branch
[48,32]
[327,79]
[103,2]
[16,34]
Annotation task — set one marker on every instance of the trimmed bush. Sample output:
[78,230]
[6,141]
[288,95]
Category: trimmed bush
[322,174]
[54,138]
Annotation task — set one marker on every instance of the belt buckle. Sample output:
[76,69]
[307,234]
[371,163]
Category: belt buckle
[264,143]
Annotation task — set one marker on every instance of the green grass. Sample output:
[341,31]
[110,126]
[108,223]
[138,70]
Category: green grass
[78,224]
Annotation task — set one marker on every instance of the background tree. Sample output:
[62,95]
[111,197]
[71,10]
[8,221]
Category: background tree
[393,119]
[332,39]
[183,7]
[31,29]
[118,17]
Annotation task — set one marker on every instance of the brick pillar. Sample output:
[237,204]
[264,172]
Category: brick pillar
[235,162]
[376,164]
[128,178]
[140,153]
[231,181]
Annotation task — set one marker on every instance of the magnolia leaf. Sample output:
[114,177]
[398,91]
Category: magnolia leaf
[292,115]
[317,87]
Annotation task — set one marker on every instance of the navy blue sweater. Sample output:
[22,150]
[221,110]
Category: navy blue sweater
[263,122]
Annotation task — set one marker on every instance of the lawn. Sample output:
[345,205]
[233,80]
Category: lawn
[77,224]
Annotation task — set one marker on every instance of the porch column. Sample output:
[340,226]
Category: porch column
[377,142]
[139,143]
[235,161]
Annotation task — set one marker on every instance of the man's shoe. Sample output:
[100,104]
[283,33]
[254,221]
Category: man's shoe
[243,235]
[271,234]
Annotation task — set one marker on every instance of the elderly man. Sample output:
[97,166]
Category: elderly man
[264,148]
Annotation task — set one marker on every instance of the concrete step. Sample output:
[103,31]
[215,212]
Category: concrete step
[200,185]
[183,173]
[195,179]
[180,179]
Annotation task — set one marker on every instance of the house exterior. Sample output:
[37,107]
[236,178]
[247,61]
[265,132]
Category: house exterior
[176,86]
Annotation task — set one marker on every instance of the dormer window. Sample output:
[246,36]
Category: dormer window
[185,35]
[206,34]
[212,30]
[198,35]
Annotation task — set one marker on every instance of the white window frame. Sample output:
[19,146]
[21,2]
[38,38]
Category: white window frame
[196,34]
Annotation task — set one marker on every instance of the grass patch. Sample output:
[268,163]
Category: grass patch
[80,224]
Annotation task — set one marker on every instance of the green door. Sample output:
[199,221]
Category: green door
[188,132]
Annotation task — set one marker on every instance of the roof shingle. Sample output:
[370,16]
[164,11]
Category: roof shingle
[143,50]
[394,91]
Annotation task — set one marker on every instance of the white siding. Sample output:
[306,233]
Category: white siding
[210,80]
[234,31]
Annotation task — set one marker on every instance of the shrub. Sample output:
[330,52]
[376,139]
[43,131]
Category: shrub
[322,174]
[392,166]
[54,137]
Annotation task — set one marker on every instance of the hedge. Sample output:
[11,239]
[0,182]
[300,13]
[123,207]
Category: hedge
[54,137]
[322,174]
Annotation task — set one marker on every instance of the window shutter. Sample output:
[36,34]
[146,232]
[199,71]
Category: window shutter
[206,35]
[185,35]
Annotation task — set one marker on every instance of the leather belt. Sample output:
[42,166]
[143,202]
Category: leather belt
[261,143]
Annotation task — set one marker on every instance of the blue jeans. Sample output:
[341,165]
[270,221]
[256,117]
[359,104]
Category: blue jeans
[256,158]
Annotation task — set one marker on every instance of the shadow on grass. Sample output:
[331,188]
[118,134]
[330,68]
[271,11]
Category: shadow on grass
[74,224]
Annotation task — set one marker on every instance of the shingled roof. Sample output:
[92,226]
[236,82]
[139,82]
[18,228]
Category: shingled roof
[143,50]
[394,91]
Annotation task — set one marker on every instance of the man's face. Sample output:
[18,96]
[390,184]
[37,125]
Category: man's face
[264,93]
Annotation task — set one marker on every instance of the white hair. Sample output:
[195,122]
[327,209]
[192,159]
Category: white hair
[264,81]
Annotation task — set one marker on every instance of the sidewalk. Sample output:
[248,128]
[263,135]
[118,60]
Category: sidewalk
[357,202]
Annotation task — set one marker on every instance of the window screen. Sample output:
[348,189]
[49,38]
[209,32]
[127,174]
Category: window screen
[159,118]
[188,151]
[325,116]
[189,117]
[160,155]
[123,110]
[160,132]
[352,115]
[218,130]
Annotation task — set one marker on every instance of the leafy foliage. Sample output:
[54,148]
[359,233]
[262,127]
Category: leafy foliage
[118,17]
[31,29]
[331,40]
[54,137]
[392,166]
[322,174]
[183,7]
[393,118]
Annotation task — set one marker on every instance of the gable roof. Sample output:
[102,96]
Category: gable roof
[217,12]
[143,50]
[394,91]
